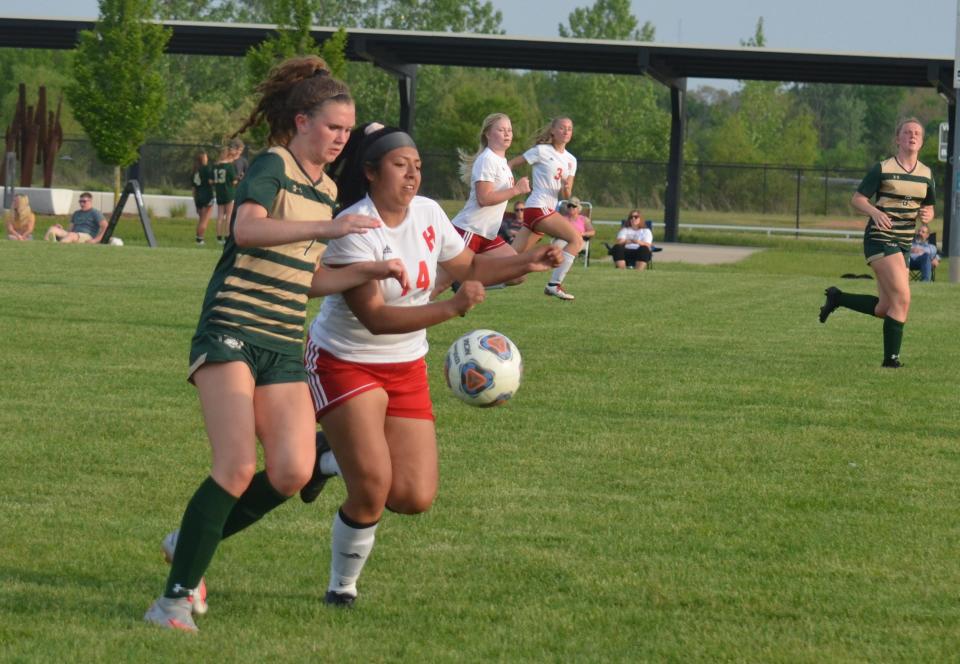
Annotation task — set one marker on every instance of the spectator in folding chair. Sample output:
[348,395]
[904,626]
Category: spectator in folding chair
[572,210]
[512,222]
[923,254]
[634,245]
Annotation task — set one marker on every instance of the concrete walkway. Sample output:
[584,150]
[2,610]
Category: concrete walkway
[702,254]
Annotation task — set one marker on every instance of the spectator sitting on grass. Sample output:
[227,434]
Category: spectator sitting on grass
[86,224]
[20,219]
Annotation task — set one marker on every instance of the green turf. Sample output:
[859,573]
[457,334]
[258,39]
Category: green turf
[693,470]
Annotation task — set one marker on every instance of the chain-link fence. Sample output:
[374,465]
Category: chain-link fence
[165,168]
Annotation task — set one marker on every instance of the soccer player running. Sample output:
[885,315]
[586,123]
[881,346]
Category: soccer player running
[366,347]
[904,192]
[554,169]
[491,186]
[246,357]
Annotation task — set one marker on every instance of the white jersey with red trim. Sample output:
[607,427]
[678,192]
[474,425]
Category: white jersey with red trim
[551,168]
[424,238]
[479,219]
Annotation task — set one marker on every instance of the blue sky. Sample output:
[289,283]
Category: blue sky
[834,25]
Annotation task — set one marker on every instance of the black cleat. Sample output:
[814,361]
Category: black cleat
[833,301]
[892,363]
[339,600]
[315,485]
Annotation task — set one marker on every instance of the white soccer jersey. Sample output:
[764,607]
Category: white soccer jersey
[551,169]
[485,221]
[635,235]
[426,237]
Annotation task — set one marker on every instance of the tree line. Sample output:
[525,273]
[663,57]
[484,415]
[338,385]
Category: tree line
[200,99]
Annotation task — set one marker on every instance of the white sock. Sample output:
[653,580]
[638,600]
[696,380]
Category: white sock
[350,548]
[560,273]
[328,464]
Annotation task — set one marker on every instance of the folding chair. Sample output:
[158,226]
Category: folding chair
[653,247]
[917,275]
[587,208]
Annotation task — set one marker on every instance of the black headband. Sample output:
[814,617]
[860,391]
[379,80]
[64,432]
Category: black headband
[385,143]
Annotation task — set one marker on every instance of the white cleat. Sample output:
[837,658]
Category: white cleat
[198,598]
[557,291]
[172,613]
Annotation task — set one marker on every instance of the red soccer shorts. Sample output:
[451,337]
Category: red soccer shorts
[477,243]
[532,217]
[334,381]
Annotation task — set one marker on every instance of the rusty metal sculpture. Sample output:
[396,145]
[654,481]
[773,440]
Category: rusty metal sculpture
[35,136]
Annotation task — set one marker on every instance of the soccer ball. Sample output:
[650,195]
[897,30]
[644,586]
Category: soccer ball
[116,242]
[483,368]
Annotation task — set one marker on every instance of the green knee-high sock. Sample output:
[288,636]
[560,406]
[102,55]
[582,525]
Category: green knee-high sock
[892,338]
[865,304]
[259,498]
[199,536]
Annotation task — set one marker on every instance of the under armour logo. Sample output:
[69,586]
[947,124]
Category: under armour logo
[181,591]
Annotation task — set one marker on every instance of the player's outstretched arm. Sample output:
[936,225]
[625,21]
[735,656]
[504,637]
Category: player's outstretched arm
[367,304]
[497,269]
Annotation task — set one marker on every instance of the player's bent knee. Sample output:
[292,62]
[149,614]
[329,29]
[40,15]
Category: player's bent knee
[234,479]
[288,481]
[370,495]
[411,504]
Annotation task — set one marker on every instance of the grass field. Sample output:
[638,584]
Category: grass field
[694,470]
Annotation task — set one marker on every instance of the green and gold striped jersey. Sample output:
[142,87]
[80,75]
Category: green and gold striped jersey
[257,294]
[901,194]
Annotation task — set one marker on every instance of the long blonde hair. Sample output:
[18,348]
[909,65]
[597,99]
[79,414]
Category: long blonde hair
[466,160]
[22,213]
[545,133]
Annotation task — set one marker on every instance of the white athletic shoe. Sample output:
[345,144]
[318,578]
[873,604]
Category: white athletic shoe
[172,613]
[557,291]
[198,599]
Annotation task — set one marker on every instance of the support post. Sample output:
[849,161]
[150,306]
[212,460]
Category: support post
[406,75]
[407,85]
[10,174]
[948,178]
[132,187]
[678,122]
[953,234]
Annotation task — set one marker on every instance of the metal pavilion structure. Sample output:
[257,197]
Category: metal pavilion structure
[401,52]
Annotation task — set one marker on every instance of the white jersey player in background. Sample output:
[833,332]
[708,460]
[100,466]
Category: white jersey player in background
[553,171]
[366,347]
[491,187]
